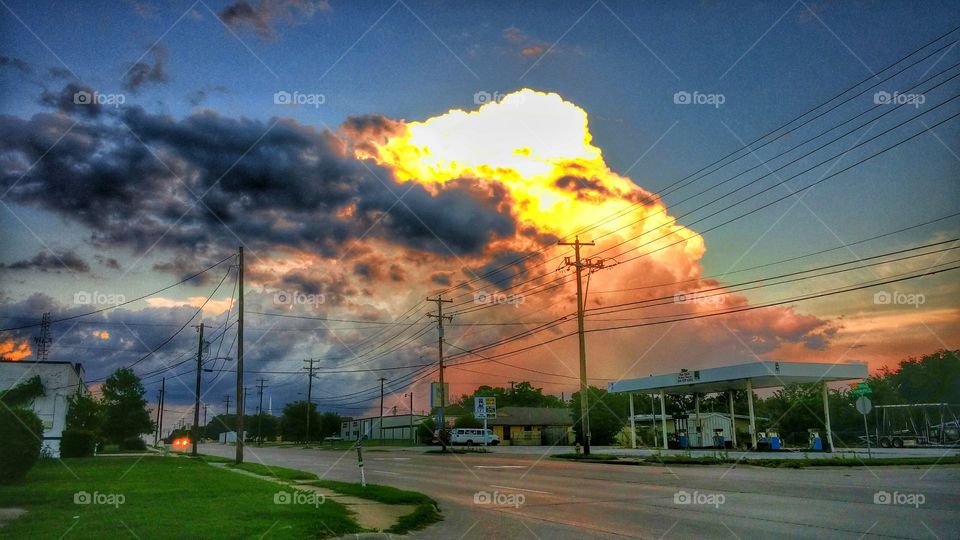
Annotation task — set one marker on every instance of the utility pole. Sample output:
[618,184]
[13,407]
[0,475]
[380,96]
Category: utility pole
[511,385]
[226,402]
[195,432]
[204,414]
[412,439]
[309,396]
[580,265]
[260,411]
[241,405]
[156,437]
[443,397]
[382,379]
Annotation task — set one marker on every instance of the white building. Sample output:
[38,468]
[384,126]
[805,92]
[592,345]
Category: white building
[60,380]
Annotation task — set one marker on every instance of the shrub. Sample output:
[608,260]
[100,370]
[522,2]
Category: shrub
[133,443]
[77,443]
[21,432]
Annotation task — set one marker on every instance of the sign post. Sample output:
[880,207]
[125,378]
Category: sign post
[484,407]
[864,406]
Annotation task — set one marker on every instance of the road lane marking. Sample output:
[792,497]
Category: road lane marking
[385,472]
[521,489]
[500,466]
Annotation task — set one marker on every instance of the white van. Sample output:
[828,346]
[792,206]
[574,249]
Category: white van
[470,436]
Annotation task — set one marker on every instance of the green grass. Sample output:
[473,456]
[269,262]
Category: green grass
[163,497]
[281,473]
[425,513]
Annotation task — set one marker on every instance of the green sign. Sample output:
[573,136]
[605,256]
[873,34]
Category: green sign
[861,389]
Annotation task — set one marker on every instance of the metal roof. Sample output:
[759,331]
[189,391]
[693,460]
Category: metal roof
[762,374]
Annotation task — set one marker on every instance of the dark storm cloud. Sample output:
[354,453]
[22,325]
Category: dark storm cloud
[142,73]
[109,262]
[46,261]
[503,268]
[271,184]
[72,99]
[16,63]
[261,16]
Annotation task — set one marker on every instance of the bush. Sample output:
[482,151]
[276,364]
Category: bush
[133,443]
[21,432]
[77,443]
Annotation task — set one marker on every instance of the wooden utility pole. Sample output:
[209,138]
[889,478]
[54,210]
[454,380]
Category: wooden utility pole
[309,396]
[412,438]
[443,395]
[260,411]
[580,264]
[159,434]
[195,432]
[226,403]
[240,397]
[382,379]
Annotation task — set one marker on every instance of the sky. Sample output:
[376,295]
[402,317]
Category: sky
[369,154]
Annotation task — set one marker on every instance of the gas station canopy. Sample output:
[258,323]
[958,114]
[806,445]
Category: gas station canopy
[765,374]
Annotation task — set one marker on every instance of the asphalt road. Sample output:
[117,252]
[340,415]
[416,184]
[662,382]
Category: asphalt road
[501,495]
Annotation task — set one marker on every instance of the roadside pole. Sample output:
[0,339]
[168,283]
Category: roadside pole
[864,406]
[363,478]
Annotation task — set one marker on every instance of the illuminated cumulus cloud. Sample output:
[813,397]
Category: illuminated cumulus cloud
[12,350]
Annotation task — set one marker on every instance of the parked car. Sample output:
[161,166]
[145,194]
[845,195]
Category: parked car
[470,437]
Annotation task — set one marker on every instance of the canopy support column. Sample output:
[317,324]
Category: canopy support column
[733,420]
[753,419]
[633,425]
[826,415]
[663,417]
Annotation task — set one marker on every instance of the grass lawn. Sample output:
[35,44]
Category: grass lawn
[161,497]
[281,473]
[426,508]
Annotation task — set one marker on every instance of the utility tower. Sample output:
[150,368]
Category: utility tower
[309,395]
[440,318]
[44,340]
[579,264]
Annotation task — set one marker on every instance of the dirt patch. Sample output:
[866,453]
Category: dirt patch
[9,514]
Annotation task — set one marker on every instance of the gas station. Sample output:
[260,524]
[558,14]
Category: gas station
[728,379]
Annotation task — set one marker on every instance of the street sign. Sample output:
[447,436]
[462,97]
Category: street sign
[860,389]
[484,407]
[864,406]
[435,394]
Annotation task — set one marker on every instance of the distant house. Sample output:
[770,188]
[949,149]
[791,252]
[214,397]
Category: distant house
[397,427]
[60,380]
[533,425]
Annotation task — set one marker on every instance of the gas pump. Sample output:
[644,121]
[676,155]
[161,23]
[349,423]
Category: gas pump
[774,438]
[816,444]
[680,430]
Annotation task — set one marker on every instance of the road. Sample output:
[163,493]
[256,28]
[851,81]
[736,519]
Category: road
[536,497]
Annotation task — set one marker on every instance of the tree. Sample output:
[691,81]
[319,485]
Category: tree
[467,421]
[293,423]
[608,414]
[523,394]
[329,425]
[124,407]
[933,378]
[84,412]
